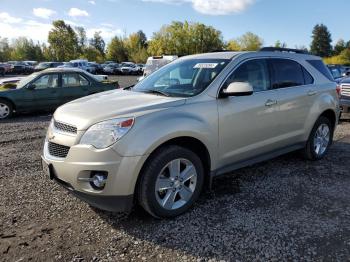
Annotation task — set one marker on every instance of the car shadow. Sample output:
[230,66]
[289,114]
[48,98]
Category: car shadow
[250,208]
[28,117]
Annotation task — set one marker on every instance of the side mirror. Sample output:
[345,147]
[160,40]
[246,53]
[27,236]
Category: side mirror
[238,89]
[31,86]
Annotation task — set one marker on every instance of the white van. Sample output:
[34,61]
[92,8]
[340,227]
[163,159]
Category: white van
[155,62]
[80,63]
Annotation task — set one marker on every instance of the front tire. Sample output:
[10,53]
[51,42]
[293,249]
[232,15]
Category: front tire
[6,109]
[171,182]
[320,139]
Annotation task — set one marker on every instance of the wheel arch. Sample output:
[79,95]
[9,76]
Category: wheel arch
[188,142]
[10,101]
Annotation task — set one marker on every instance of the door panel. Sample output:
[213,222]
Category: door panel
[295,91]
[248,125]
[45,95]
[74,86]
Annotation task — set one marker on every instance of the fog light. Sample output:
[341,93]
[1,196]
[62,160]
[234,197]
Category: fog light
[98,180]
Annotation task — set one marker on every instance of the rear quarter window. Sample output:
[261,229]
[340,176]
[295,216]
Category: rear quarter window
[320,66]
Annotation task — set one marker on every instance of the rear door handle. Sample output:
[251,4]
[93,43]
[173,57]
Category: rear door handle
[270,102]
[311,93]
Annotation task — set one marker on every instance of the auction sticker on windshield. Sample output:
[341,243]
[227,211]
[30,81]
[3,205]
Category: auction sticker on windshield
[206,65]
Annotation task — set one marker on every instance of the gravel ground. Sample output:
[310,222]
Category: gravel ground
[283,209]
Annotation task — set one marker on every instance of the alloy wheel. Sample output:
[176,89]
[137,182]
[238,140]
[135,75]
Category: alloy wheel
[4,110]
[176,184]
[321,139]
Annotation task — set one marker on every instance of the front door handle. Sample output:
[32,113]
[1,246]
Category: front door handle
[311,93]
[270,102]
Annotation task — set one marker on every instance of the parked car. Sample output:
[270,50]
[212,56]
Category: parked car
[97,68]
[345,95]
[112,69]
[129,68]
[338,72]
[7,67]
[22,68]
[48,89]
[155,62]
[141,68]
[80,63]
[201,116]
[2,70]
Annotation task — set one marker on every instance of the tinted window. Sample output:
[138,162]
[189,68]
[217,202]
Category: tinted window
[73,80]
[307,77]
[286,73]
[319,65]
[46,81]
[254,72]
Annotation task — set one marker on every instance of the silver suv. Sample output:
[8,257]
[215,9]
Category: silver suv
[161,142]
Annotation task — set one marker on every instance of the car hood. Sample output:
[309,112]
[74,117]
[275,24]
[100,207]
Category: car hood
[89,110]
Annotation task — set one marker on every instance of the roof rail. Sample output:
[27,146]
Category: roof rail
[280,49]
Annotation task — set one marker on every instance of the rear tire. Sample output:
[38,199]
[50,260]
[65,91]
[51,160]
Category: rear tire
[320,139]
[6,109]
[171,182]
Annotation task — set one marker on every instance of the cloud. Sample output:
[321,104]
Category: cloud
[8,19]
[32,29]
[43,12]
[106,32]
[212,7]
[74,12]
[92,2]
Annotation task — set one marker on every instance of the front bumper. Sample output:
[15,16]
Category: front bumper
[117,195]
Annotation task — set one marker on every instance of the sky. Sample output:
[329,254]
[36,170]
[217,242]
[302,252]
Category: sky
[289,21]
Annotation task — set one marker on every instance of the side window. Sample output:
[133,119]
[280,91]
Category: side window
[286,73]
[254,72]
[73,80]
[46,81]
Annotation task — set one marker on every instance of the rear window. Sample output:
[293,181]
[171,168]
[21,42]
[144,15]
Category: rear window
[320,66]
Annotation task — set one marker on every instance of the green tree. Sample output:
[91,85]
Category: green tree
[184,39]
[233,45]
[25,49]
[279,44]
[136,47]
[116,50]
[5,50]
[250,42]
[63,41]
[321,41]
[81,39]
[339,47]
[142,37]
[98,43]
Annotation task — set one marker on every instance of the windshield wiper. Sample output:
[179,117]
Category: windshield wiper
[153,91]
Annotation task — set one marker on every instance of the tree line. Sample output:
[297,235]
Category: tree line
[179,38]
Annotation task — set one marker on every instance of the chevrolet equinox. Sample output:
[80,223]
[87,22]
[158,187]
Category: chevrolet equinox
[159,143]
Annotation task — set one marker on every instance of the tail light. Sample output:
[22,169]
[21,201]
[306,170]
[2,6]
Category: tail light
[338,89]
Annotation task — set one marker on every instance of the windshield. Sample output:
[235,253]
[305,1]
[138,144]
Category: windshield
[26,80]
[183,78]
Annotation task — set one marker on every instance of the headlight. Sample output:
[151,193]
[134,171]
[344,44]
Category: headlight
[106,133]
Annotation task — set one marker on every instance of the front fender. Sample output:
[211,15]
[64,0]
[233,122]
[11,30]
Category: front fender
[154,129]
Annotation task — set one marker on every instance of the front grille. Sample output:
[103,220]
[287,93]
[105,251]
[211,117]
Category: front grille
[57,150]
[345,90]
[64,127]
